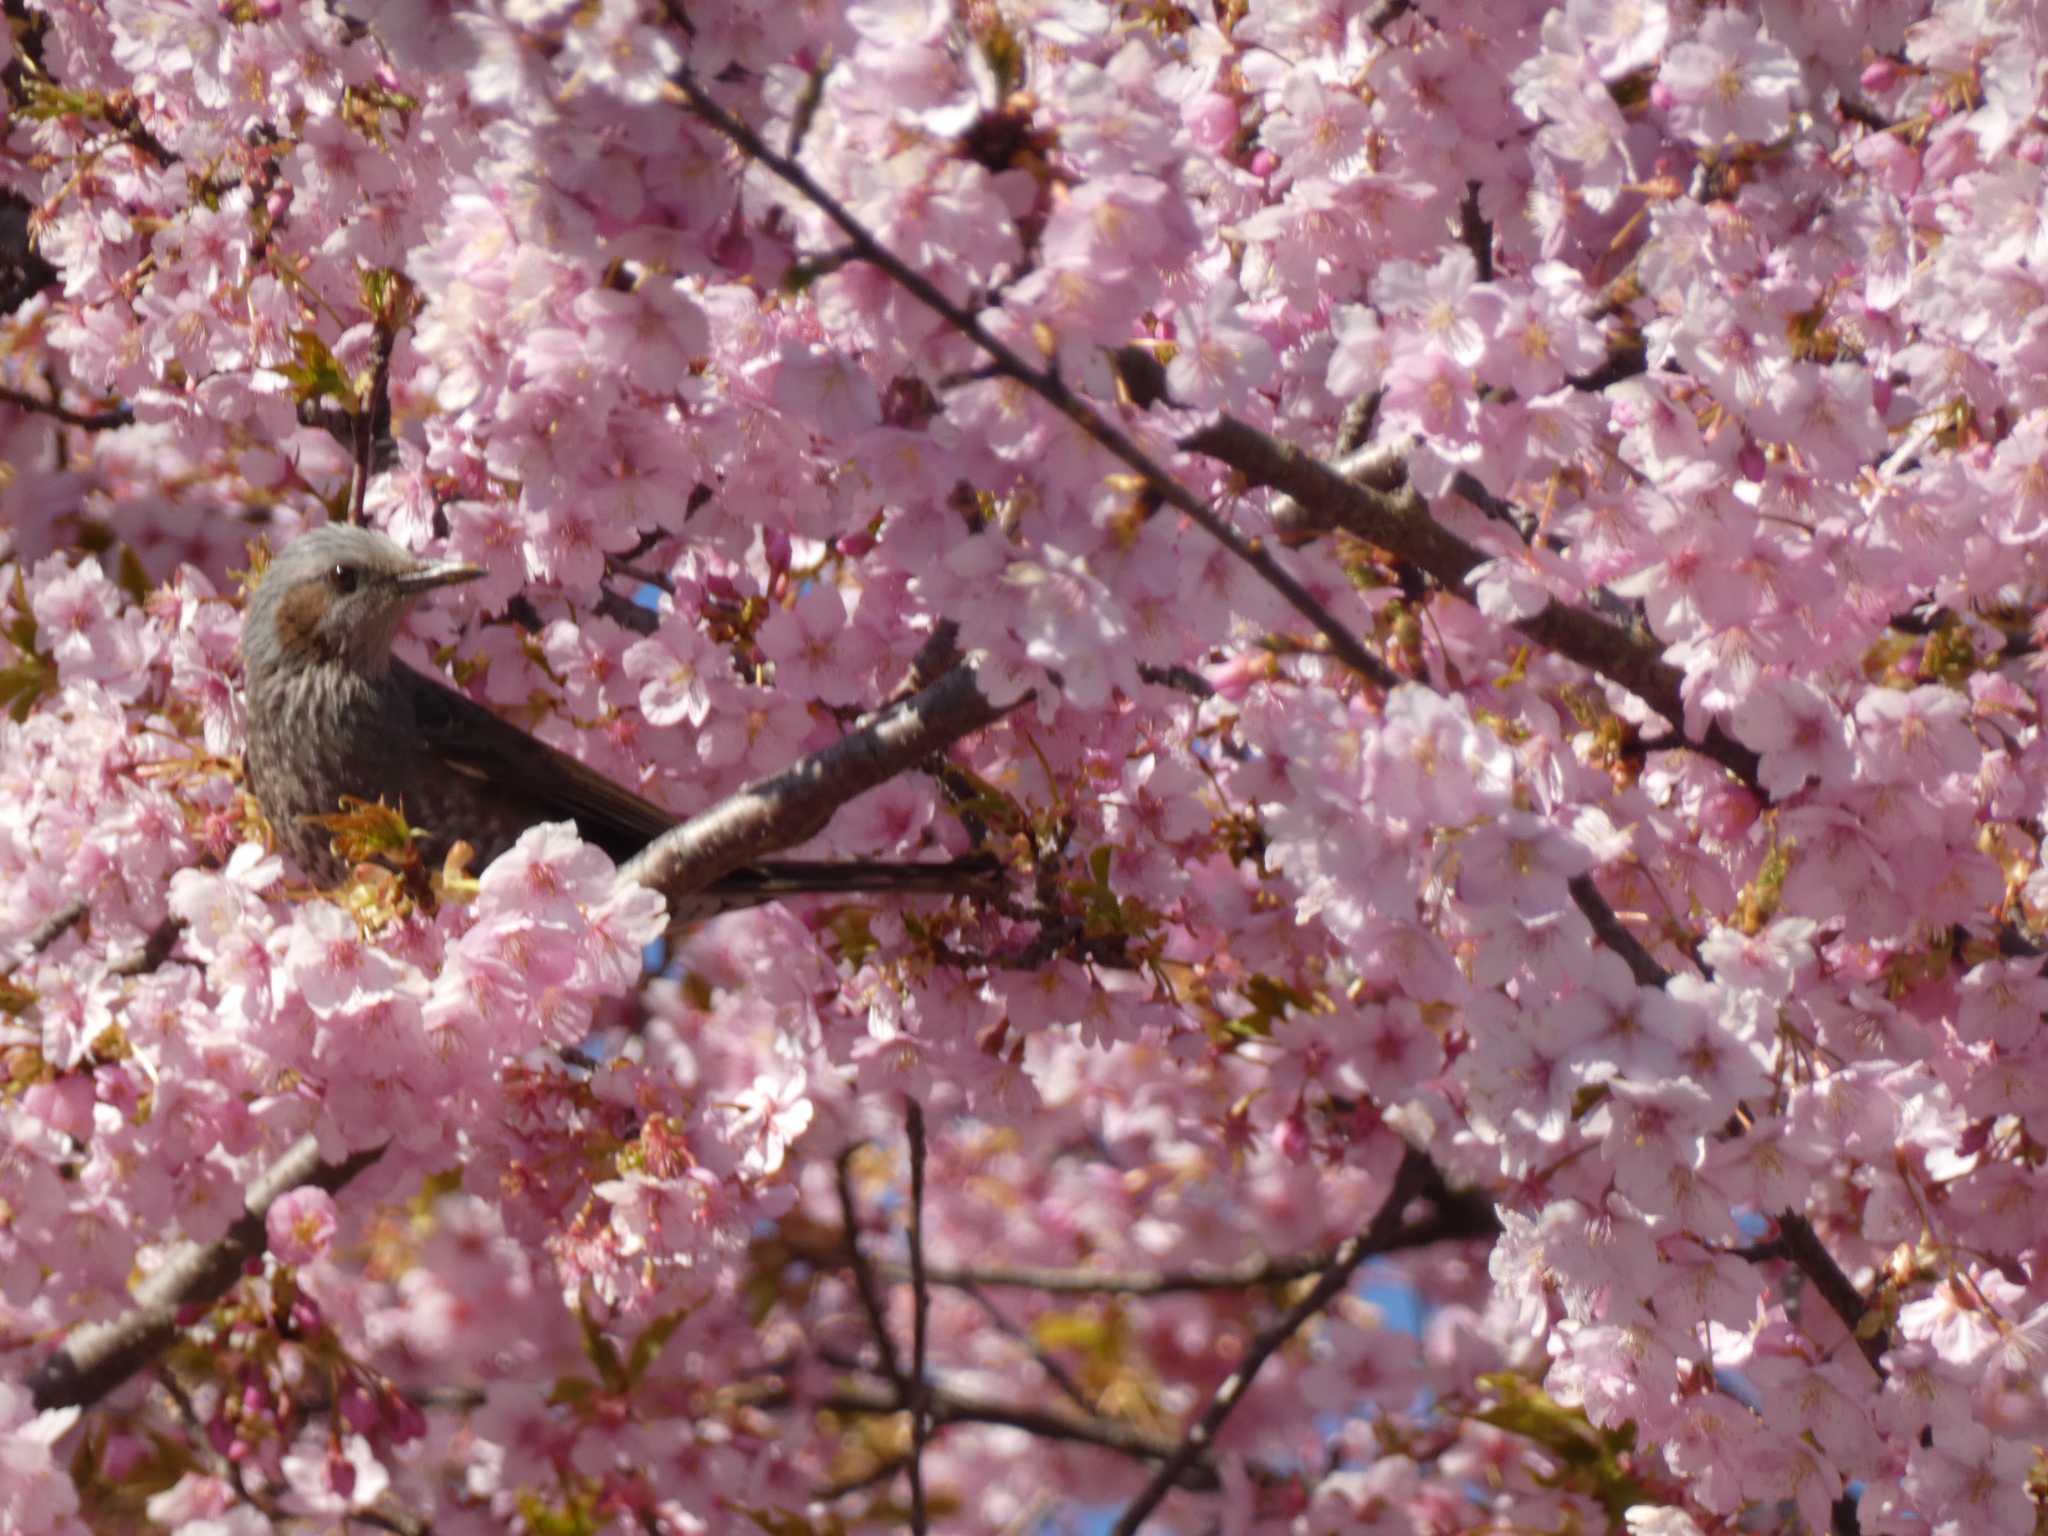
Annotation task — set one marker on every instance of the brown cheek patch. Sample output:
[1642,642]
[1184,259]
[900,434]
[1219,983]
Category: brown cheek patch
[299,616]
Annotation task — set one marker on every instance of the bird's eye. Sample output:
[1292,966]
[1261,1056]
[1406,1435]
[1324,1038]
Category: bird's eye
[344,578]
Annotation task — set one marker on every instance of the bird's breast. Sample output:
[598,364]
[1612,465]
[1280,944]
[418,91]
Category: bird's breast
[318,733]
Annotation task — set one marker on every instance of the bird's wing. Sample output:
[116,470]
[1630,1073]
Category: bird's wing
[529,778]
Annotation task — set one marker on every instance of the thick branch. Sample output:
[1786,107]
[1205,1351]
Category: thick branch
[1610,931]
[1400,522]
[100,1356]
[1802,1245]
[775,813]
[54,927]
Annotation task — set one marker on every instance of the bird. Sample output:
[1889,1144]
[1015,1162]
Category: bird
[330,712]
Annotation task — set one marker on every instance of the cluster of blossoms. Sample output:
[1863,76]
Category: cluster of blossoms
[1670,885]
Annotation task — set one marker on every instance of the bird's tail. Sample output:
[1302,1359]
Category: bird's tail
[773,879]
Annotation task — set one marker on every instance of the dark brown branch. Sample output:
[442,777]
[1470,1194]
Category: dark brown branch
[920,1309]
[949,1407]
[54,927]
[1457,1216]
[89,421]
[864,1276]
[1059,1375]
[98,1357]
[1610,930]
[1802,1245]
[368,424]
[1416,1176]
[156,949]
[1043,382]
[1400,523]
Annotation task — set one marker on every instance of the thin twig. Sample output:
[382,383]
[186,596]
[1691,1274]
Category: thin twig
[365,425]
[920,1308]
[1414,1177]
[55,926]
[864,1277]
[89,421]
[1458,1215]
[949,1407]
[1061,1377]
[1044,383]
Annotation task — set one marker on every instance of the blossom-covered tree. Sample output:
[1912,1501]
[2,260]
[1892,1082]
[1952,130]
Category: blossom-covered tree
[1471,567]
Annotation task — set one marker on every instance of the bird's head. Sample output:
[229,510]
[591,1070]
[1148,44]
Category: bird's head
[337,595]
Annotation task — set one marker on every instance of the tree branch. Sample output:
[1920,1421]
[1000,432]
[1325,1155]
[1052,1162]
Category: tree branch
[1609,930]
[1802,1245]
[949,1407]
[1458,1215]
[1415,1176]
[98,1357]
[1043,382]
[793,805]
[89,421]
[920,1309]
[1400,522]
[864,1275]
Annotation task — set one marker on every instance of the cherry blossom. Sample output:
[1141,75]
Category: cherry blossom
[1502,540]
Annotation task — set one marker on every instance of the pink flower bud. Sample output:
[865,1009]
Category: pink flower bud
[359,1410]
[1291,1138]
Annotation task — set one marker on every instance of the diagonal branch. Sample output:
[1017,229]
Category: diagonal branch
[777,812]
[772,814]
[97,1358]
[1043,382]
[1399,521]
[949,1407]
[1802,1245]
[1416,1176]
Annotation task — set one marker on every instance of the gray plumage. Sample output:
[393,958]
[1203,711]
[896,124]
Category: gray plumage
[331,713]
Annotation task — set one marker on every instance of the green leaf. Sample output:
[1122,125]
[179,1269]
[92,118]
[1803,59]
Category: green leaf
[22,684]
[653,1339]
[316,375]
[603,1354]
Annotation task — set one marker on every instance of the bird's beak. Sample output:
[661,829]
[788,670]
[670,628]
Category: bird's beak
[429,574]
